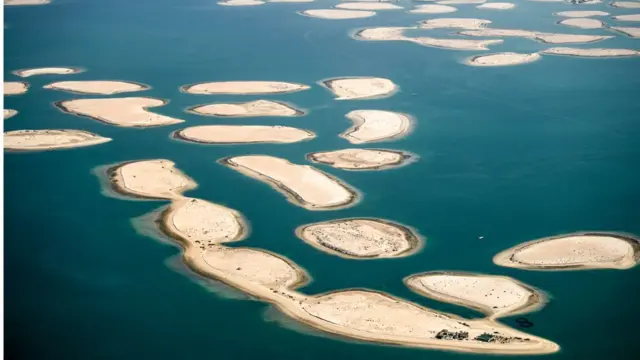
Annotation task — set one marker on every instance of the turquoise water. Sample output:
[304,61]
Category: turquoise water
[511,154]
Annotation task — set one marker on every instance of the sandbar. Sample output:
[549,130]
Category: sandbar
[361,159]
[454,23]
[455,44]
[368,6]
[582,23]
[630,17]
[351,88]
[125,112]
[335,14]
[633,32]
[496,296]
[361,238]
[47,71]
[592,52]
[581,13]
[244,87]
[243,134]
[248,109]
[97,87]
[433,9]
[15,87]
[503,59]
[26,2]
[303,185]
[497,6]
[626,4]
[376,125]
[241,3]
[8,113]
[156,179]
[50,139]
[577,251]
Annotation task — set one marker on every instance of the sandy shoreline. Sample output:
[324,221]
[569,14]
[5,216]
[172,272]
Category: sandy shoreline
[106,87]
[48,71]
[632,32]
[243,134]
[248,109]
[9,113]
[50,139]
[15,87]
[360,87]
[376,125]
[243,88]
[361,159]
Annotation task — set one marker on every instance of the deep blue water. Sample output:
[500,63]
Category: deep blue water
[511,154]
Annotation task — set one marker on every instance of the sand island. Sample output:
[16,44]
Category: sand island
[582,23]
[433,9]
[581,13]
[47,71]
[633,32]
[591,52]
[26,2]
[303,185]
[630,17]
[97,87]
[368,6]
[361,159]
[351,88]
[361,238]
[156,179]
[240,2]
[497,6]
[496,296]
[244,88]
[460,2]
[50,139]
[502,59]
[626,4]
[248,109]
[376,125]
[243,134]
[125,112]
[454,23]
[15,88]
[336,14]
[8,113]
[455,44]
[549,38]
[577,251]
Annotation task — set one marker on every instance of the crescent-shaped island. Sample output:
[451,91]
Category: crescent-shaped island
[376,125]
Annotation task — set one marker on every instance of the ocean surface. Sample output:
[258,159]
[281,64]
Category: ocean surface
[509,154]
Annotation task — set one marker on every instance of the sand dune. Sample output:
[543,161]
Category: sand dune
[360,159]
[150,179]
[248,109]
[335,14]
[37,140]
[244,87]
[15,88]
[97,87]
[376,125]
[363,87]
[243,134]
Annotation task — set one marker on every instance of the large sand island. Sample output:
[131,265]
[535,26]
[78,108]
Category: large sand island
[15,88]
[303,185]
[582,13]
[633,32]
[126,112]
[97,87]
[497,6]
[243,134]
[8,113]
[361,238]
[455,44]
[248,109]
[37,140]
[587,250]
[336,14]
[241,2]
[368,6]
[376,125]
[361,159]
[582,23]
[26,2]
[630,17]
[433,9]
[496,296]
[351,88]
[244,88]
[460,2]
[549,38]
[626,4]
[150,179]
[591,52]
[47,71]
[503,59]
[454,23]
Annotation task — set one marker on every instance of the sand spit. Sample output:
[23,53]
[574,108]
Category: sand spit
[593,52]
[26,2]
[37,140]
[303,185]
[243,134]
[47,71]
[631,17]
[368,6]
[454,23]
[503,59]
[241,3]
[376,125]
[97,87]
[626,4]
[455,44]
[496,296]
[361,159]
[433,9]
[580,13]
[361,238]
[15,88]
[8,113]
[248,109]
[460,2]
[582,23]
[125,112]
[150,179]
[244,88]
[497,6]
[633,32]
[335,14]
[351,88]
[577,251]
[549,38]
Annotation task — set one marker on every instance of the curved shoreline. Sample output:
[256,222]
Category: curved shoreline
[358,122]
[74,70]
[178,135]
[298,111]
[142,87]
[328,84]
[91,139]
[405,159]
[15,88]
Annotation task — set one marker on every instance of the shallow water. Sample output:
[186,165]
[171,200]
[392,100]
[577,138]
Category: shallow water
[511,154]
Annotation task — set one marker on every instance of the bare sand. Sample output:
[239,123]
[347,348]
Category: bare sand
[241,3]
[244,87]
[433,9]
[303,185]
[37,140]
[335,14]
[47,71]
[549,38]
[633,32]
[290,1]
[497,6]
[454,23]
[582,23]
[26,2]
[368,6]
[500,32]
[361,159]
[15,88]
[456,44]
[381,34]
[97,87]
[150,179]
[351,88]
[376,125]
[626,4]
[496,296]
[361,238]
[581,13]
[630,17]
[503,59]
[577,251]
[592,52]
[8,113]
[248,109]
[125,112]
[243,134]
[460,2]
